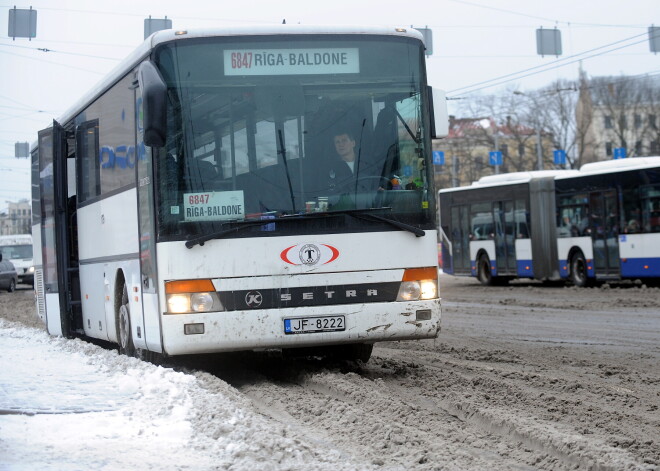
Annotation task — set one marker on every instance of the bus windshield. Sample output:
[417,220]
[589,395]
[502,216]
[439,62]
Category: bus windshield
[269,127]
[14,252]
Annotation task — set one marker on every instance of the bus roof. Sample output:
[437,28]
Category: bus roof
[610,166]
[165,36]
[594,168]
[512,179]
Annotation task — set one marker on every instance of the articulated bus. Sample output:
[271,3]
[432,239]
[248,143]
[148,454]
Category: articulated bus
[190,203]
[599,223]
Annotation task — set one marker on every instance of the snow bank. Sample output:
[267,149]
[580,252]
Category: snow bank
[67,404]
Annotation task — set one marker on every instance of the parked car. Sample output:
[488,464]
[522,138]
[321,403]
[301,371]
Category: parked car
[8,275]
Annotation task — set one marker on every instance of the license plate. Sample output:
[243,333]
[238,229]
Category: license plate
[309,325]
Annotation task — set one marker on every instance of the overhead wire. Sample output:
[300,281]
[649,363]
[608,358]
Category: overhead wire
[546,67]
[44,49]
[545,70]
[553,20]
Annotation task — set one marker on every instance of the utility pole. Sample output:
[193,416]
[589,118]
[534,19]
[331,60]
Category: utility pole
[539,148]
[497,147]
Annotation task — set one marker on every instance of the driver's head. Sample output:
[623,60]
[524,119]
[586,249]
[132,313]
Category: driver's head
[345,146]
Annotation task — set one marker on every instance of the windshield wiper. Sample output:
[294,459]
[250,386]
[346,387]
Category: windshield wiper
[359,214]
[238,226]
[365,215]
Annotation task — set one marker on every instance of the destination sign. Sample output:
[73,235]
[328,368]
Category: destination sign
[291,61]
[214,206]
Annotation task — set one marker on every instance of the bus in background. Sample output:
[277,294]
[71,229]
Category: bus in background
[18,250]
[598,223]
[192,203]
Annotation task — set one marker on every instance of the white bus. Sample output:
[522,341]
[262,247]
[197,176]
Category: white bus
[599,223]
[189,203]
[18,250]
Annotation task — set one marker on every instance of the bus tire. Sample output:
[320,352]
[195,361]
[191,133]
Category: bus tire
[484,275]
[124,335]
[578,273]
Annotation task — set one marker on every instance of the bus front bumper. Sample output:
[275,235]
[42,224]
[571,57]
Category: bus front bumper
[264,329]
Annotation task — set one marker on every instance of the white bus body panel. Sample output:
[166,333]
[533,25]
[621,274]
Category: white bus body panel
[54,324]
[564,246]
[40,299]
[236,330]
[640,254]
[109,228]
[258,264]
[475,246]
[108,242]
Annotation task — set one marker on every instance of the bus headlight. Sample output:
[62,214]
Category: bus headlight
[178,303]
[409,291]
[190,296]
[429,289]
[419,283]
[201,302]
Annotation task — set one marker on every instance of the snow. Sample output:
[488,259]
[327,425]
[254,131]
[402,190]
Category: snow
[67,404]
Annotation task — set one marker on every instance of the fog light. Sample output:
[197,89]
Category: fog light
[423,315]
[191,329]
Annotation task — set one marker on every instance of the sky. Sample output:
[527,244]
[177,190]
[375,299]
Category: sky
[479,47]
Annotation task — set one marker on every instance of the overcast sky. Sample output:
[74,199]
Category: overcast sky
[474,41]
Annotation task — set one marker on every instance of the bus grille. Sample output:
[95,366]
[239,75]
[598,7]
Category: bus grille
[41,301]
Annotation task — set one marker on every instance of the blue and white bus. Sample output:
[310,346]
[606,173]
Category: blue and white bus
[188,204]
[599,223]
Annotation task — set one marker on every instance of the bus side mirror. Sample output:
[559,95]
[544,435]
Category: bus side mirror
[439,113]
[154,104]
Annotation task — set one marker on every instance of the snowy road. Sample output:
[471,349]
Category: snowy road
[524,377]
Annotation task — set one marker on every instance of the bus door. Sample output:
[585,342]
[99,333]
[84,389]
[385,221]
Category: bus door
[460,239]
[504,226]
[604,224]
[54,229]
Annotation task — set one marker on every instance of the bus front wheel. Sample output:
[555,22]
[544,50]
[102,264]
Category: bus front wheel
[579,270]
[126,346]
[484,275]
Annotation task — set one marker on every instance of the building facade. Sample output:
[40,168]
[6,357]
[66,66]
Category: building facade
[16,219]
[621,116]
[470,141]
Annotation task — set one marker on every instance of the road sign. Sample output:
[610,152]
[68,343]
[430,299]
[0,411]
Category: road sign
[438,157]
[620,153]
[560,156]
[151,25]
[654,39]
[548,42]
[22,23]
[428,40]
[495,157]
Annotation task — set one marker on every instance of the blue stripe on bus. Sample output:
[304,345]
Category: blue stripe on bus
[565,269]
[525,269]
[473,267]
[640,267]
